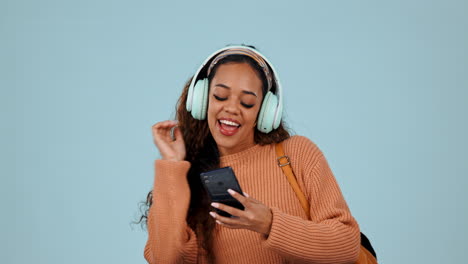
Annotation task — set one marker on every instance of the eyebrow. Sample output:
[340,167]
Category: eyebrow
[244,91]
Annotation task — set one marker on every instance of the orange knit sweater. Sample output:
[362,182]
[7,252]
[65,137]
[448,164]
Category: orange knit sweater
[330,236]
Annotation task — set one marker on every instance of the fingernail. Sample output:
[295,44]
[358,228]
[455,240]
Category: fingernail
[215,205]
[246,195]
[231,191]
[213,214]
[217,221]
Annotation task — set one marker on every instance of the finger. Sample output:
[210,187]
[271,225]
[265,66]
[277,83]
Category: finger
[228,225]
[164,124]
[178,134]
[162,134]
[250,199]
[242,199]
[224,224]
[225,220]
[228,209]
[173,137]
[162,129]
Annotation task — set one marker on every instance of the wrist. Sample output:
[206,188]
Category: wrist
[268,224]
[172,158]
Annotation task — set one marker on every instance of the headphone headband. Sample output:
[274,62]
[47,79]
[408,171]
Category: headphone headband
[246,52]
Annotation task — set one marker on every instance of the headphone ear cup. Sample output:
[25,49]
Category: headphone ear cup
[267,113]
[189,102]
[205,99]
[200,98]
[279,115]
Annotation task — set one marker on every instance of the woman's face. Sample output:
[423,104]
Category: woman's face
[235,97]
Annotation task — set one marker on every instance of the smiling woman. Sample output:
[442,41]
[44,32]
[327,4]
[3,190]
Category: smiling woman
[233,111]
[229,114]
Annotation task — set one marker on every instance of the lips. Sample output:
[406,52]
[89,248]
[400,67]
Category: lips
[227,126]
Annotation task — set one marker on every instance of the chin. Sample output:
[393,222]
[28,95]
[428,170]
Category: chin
[224,142]
[229,141]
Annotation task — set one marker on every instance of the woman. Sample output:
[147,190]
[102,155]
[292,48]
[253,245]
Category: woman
[229,114]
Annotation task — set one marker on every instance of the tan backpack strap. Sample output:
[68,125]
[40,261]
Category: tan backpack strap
[285,163]
[365,257]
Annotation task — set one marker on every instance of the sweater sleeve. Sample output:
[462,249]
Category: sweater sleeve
[332,234]
[170,240]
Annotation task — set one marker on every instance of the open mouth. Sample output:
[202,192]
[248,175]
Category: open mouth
[228,127]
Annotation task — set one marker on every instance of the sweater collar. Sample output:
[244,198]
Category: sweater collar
[241,156]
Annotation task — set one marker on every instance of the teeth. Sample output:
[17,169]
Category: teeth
[229,123]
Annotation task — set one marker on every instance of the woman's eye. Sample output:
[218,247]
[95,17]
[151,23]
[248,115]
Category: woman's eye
[247,105]
[220,98]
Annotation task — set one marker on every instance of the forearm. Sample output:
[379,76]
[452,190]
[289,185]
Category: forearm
[170,240]
[330,241]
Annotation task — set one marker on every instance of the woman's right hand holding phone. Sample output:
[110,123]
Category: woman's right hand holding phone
[170,149]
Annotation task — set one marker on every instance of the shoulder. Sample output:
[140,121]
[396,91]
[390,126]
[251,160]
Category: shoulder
[302,145]
[302,150]
[298,139]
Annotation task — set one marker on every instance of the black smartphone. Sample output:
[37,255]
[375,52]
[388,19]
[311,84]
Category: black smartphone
[217,182]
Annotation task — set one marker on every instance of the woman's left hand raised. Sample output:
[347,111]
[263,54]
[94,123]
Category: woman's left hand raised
[255,216]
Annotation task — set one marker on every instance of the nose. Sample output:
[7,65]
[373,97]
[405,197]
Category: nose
[232,106]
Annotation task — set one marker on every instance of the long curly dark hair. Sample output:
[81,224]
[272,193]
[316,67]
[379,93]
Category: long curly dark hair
[202,153]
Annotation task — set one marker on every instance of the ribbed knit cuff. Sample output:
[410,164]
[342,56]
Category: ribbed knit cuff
[171,175]
[297,239]
[284,234]
[275,238]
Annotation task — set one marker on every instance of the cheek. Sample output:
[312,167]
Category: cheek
[252,115]
[211,106]
[212,110]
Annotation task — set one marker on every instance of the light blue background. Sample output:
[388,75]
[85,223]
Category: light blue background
[380,87]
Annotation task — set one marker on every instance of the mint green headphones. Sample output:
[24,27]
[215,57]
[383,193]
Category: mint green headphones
[269,117]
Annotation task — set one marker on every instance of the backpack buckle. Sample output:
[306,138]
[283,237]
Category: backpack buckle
[283,164]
